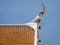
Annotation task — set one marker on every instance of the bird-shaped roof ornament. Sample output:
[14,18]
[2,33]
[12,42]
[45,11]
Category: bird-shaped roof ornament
[37,19]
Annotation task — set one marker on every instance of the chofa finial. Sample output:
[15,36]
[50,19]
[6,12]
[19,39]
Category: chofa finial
[37,19]
[43,10]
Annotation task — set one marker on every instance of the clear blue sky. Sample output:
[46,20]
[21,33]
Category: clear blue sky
[22,11]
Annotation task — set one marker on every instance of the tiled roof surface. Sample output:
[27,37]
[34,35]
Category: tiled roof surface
[16,35]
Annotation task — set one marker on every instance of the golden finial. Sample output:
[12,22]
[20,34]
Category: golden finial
[37,19]
[42,12]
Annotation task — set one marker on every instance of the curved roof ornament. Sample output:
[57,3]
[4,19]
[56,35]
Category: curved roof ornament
[37,19]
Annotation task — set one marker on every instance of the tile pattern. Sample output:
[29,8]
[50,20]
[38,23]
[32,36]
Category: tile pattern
[16,35]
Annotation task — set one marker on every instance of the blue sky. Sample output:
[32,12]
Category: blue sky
[23,11]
